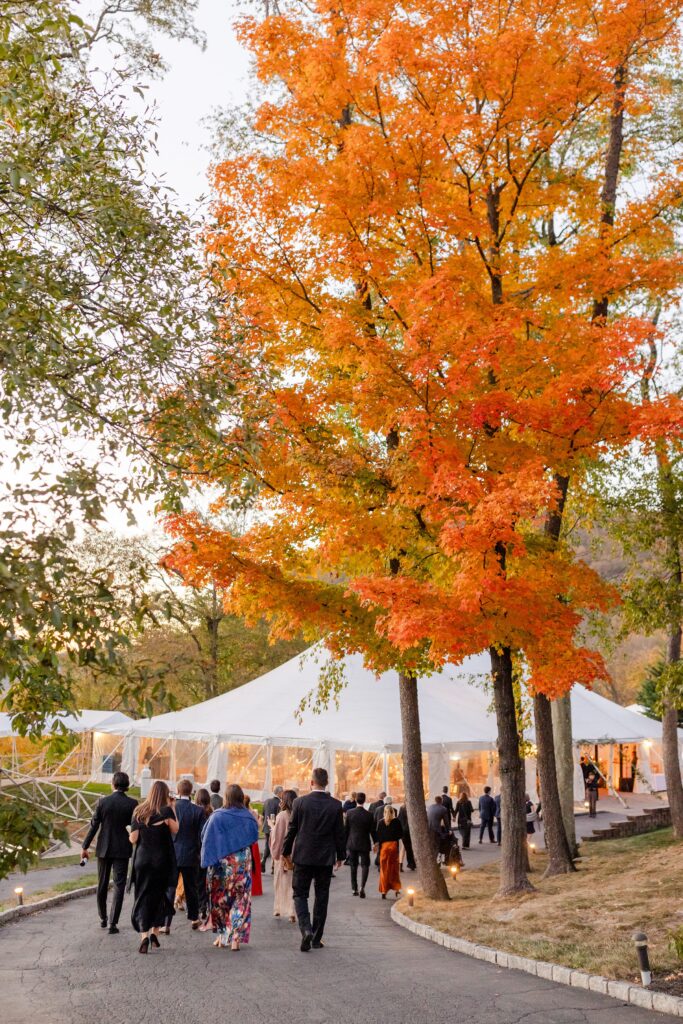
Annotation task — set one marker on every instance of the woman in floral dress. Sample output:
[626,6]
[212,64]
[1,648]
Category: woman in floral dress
[226,854]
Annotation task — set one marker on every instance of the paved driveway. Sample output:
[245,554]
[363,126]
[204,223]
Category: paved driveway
[59,967]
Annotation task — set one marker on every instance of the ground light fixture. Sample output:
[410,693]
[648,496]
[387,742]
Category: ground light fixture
[640,939]
[19,893]
[532,847]
[454,872]
[411,897]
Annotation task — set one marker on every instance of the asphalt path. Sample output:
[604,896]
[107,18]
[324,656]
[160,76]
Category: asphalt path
[59,967]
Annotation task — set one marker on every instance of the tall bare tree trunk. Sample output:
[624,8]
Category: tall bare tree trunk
[561,710]
[670,755]
[560,862]
[514,853]
[670,512]
[429,872]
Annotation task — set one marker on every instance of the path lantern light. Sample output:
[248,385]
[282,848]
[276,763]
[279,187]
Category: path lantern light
[640,939]
[19,893]
[411,894]
[454,872]
[532,847]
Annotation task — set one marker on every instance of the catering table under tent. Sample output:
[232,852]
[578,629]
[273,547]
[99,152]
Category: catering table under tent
[267,733]
[21,753]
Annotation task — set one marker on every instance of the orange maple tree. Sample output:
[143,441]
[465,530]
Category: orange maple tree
[431,326]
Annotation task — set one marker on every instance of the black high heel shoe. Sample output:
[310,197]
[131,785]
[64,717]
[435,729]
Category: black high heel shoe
[144,946]
[154,941]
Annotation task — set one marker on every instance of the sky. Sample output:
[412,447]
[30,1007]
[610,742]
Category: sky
[197,82]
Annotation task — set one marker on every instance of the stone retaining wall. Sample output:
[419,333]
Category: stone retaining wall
[635,825]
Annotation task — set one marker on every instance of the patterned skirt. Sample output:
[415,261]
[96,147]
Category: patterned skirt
[229,887]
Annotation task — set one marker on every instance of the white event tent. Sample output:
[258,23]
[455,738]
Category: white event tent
[259,735]
[87,720]
[21,754]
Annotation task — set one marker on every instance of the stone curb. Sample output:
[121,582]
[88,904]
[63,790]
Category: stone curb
[645,998]
[14,913]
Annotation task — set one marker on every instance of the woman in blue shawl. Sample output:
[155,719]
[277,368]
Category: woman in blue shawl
[226,854]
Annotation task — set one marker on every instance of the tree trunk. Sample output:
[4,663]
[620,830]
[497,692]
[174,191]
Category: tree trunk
[561,710]
[514,853]
[560,862]
[670,756]
[429,872]
[213,620]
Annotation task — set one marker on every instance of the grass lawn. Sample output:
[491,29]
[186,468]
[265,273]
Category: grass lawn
[56,862]
[101,788]
[53,890]
[584,920]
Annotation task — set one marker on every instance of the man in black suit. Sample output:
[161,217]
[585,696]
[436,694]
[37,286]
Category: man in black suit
[439,821]
[379,802]
[112,814]
[314,842]
[188,846]
[270,809]
[487,814]
[360,835]
[447,802]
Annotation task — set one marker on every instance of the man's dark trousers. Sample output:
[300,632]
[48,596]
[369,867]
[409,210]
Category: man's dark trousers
[357,857]
[266,851]
[190,873]
[482,828]
[321,876]
[105,867]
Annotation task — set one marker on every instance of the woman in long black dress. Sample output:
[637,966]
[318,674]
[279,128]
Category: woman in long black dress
[152,829]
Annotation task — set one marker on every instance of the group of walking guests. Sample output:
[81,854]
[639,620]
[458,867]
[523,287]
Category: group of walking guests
[208,849]
[203,850]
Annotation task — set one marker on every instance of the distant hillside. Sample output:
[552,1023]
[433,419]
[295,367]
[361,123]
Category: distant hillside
[628,657]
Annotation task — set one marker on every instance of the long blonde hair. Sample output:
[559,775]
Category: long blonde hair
[389,813]
[158,798]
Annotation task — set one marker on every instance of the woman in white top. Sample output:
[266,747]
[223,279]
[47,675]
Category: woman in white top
[283,904]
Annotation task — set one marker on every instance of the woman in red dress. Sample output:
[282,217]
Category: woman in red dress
[389,834]
[256,878]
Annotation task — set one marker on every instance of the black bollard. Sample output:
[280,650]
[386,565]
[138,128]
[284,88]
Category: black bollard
[640,939]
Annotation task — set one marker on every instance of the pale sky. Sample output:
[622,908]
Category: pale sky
[197,82]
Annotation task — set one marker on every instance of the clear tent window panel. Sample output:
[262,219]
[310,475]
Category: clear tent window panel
[192,758]
[396,788]
[358,770]
[155,753]
[247,764]
[291,767]
[472,770]
[107,753]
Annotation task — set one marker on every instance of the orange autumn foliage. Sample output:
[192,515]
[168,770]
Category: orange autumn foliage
[412,246]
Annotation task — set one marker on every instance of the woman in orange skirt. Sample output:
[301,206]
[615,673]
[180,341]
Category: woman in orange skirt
[389,834]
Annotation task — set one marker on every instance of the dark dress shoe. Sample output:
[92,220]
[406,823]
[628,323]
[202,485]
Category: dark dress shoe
[306,942]
[355,892]
[144,946]
[154,941]
[103,923]
[362,894]
[318,944]
[113,930]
